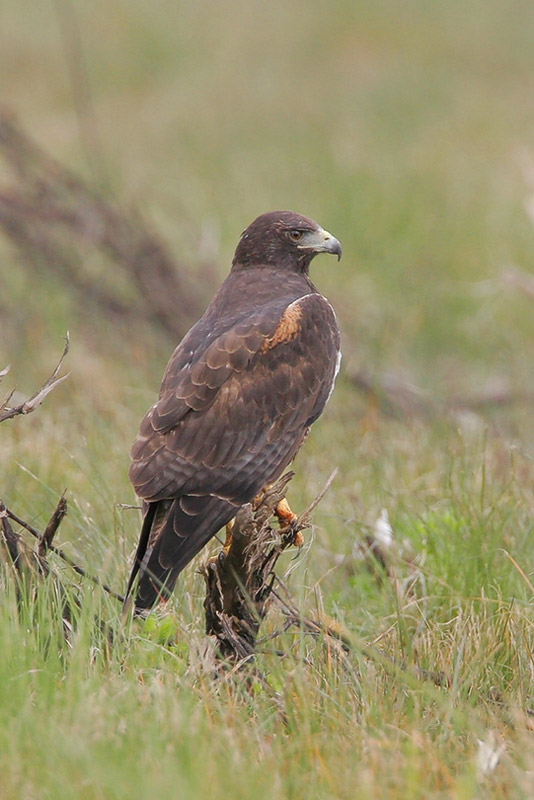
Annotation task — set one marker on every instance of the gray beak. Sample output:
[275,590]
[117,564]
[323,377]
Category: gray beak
[332,245]
[322,242]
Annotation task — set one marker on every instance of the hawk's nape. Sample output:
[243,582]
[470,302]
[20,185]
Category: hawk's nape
[237,398]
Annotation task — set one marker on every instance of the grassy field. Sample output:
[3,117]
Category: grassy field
[408,131]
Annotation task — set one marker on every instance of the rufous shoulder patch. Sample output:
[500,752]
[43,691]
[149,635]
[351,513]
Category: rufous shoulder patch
[287,328]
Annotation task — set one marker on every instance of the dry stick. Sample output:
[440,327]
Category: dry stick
[9,395]
[61,553]
[294,617]
[21,556]
[45,542]
[11,539]
[430,681]
[303,520]
[345,645]
[36,399]
[237,587]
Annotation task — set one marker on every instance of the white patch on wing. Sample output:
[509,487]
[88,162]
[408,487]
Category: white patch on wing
[299,300]
[338,356]
[338,364]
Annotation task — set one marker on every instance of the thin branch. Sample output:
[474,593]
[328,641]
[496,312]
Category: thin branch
[45,542]
[303,520]
[61,553]
[36,399]
[11,539]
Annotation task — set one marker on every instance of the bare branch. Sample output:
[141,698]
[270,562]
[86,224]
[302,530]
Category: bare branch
[45,542]
[58,551]
[36,399]
[10,538]
[303,520]
[23,560]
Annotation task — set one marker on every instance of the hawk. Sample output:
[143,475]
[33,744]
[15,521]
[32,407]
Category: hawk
[237,399]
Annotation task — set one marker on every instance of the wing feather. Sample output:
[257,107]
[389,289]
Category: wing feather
[236,414]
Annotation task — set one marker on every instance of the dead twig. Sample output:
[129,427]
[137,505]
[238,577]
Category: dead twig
[45,542]
[12,545]
[304,519]
[55,520]
[11,539]
[294,618]
[36,399]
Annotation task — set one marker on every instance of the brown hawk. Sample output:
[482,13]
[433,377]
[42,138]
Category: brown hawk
[237,398]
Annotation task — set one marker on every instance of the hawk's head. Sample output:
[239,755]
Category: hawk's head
[285,240]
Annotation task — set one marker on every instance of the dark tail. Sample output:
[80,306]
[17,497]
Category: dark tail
[142,546]
[155,582]
[173,532]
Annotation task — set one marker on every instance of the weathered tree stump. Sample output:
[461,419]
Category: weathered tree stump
[239,581]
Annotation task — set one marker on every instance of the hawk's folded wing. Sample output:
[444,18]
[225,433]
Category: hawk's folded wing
[233,412]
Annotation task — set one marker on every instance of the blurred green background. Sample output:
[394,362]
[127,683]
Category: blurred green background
[404,128]
[407,130]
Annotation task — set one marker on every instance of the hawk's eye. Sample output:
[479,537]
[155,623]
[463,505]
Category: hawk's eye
[295,235]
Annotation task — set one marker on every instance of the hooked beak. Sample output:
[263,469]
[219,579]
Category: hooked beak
[321,242]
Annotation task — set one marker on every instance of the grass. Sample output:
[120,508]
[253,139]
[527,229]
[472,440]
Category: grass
[405,129]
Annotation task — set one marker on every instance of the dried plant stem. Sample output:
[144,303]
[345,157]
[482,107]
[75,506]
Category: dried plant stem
[36,399]
[52,526]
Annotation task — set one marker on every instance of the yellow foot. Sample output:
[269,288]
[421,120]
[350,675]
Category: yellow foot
[286,517]
[284,513]
[228,542]
[226,546]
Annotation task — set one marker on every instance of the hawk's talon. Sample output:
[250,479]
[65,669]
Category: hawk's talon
[298,539]
[287,519]
[219,557]
[283,512]
[229,538]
